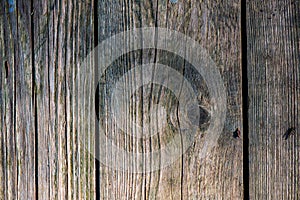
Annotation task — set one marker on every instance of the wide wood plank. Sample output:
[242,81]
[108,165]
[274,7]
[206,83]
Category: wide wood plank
[274,95]
[216,26]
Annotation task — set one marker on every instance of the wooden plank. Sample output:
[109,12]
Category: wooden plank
[64,37]
[2,107]
[218,175]
[18,109]
[273,73]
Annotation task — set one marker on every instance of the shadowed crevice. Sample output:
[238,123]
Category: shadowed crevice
[245,95]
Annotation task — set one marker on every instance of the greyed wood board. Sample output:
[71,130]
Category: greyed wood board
[43,116]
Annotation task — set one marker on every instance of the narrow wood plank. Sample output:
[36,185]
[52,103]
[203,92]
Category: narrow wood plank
[41,55]
[220,174]
[113,184]
[273,73]
[64,37]
[2,106]
[17,128]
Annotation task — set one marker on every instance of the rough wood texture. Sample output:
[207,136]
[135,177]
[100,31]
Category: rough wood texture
[63,37]
[47,117]
[41,154]
[17,126]
[273,73]
[216,26]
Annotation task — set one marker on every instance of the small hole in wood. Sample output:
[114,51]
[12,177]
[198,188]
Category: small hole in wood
[237,133]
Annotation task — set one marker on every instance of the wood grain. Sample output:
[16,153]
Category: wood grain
[216,26]
[273,73]
[47,117]
[63,38]
[17,106]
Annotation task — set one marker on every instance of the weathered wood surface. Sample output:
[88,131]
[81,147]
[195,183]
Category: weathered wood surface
[17,151]
[42,45]
[216,26]
[273,29]
[47,120]
[63,34]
